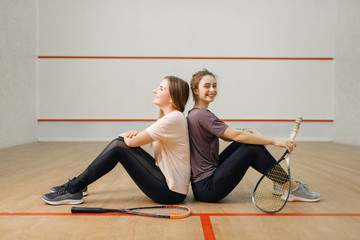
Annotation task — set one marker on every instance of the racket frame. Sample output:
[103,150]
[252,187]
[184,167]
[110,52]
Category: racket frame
[137,211]
[286,157]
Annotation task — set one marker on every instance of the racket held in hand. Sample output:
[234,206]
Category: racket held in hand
[162,211]
[272,191]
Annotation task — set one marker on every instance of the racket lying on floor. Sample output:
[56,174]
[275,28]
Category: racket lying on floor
[168,211]
[272,191]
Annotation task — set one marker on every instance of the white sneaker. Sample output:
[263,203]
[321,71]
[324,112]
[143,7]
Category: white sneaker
[278,189]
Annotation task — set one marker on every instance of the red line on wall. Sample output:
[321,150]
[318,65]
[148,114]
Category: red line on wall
[275,120]
[96,120]
[153,120]
[188,58]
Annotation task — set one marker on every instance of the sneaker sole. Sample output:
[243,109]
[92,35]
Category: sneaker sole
[67,201]
[299,199]
[85,193]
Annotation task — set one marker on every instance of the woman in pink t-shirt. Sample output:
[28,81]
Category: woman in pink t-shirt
[164,178]
[214,176]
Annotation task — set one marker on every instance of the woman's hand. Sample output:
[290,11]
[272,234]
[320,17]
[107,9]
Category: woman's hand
[288,144]
[136,139]
[129,134]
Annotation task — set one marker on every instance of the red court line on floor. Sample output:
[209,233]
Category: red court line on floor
[277,214]
[207,227]
[153,120]
[198,214]
[204,217]
[187,58]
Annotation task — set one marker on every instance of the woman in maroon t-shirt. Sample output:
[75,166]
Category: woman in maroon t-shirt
[214,176]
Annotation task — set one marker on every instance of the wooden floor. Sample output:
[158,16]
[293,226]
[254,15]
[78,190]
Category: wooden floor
[28,171]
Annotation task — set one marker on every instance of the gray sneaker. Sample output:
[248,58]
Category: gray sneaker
[302,193]
[62,196]
[57,188]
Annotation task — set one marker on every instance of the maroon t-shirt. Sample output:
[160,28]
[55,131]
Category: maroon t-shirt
[204,132]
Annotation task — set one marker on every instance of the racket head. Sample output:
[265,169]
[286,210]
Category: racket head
[272,191]
[161,211]
[164,211]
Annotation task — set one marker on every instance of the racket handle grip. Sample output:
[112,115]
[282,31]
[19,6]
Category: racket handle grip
[86,210]
[296,127]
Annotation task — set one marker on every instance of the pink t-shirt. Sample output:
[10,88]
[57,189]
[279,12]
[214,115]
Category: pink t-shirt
[172,150]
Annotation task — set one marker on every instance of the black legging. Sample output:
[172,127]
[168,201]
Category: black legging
[234,161]
[140,166]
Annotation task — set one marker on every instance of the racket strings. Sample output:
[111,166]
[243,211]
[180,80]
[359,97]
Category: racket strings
[169,211]
[270,190]
[163,210]
[278,175]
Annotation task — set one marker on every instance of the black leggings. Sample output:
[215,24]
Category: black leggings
[140,166]
[234,161]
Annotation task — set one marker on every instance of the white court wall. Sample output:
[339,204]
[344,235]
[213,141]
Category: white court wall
[18,64]
[347,73]
[121,88]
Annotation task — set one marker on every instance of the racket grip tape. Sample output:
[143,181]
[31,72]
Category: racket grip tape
[296,127]
[86,210]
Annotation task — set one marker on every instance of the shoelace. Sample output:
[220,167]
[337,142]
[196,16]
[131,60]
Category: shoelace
[305,186]
[62,190]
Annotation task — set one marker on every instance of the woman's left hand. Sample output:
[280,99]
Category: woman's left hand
[129,134]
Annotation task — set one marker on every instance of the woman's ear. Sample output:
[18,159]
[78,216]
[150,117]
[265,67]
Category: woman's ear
[196,91]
